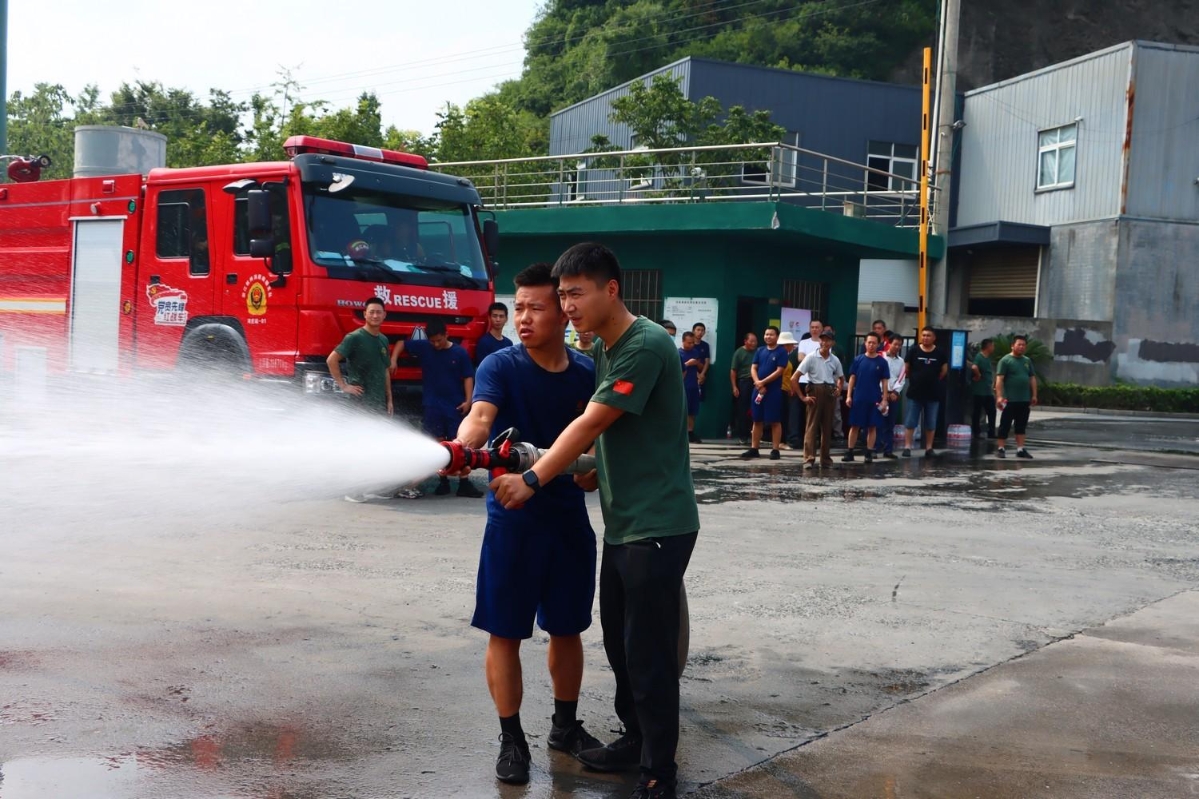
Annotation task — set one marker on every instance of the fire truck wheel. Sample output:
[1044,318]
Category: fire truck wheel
[684,629]
[215,352]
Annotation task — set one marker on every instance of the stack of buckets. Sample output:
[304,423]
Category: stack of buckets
[957,436]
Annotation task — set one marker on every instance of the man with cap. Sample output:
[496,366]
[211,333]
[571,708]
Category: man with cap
[791,414]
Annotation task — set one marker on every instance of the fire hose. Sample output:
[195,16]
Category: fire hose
[508,454]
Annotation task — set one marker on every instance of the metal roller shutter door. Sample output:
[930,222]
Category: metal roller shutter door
[1006,273]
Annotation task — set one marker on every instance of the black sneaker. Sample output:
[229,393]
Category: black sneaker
[890,456]
[848,456]
[1001,453]
[1023,453]
[751,453]
[468,489]
[572,739]
[928,453]
[623,754]
[907,453]
[443,487]
[512,765]
[774,455]
[697,440]
[653,789]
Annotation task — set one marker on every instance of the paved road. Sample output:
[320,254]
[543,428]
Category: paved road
[320,649]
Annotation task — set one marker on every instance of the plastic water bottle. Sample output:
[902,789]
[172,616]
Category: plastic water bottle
[758,399]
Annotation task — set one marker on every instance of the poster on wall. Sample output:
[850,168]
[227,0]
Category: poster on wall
[686,311]
[796,320]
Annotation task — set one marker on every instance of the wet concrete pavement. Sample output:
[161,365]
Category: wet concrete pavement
[322,649]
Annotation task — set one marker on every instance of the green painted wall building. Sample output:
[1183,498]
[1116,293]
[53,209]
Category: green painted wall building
[753,258]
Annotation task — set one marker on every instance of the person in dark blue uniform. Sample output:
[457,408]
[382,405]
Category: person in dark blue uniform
[867,395]
[494,339]
[693,361]
[767,371]
[538,560]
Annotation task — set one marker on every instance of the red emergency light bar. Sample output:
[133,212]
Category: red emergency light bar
[295,145]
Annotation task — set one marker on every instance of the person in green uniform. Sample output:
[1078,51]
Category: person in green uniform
[743,386]
[982,390]
[638,421]
[1015,394]
[368,375]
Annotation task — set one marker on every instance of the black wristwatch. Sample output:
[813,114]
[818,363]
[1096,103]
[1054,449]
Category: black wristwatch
[530,478]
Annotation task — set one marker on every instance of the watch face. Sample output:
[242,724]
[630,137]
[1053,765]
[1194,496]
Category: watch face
[531,479]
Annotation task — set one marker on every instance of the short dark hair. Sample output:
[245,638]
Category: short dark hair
[374,301]
[874,335]
[699,324]
[748,334]
[986,342]
[435,327]
[890,335]
[1019,337]
[814,319]
[688,333]
[772,327]
[497,306]
[590,260]
[929,328]
[538,274]
[879,322]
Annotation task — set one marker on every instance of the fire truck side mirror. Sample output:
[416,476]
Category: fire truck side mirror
[491,237]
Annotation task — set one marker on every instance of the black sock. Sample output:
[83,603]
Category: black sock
[511,725]
[565,712]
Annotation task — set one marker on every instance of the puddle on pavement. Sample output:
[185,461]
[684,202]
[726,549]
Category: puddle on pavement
[259,760]
[964,479]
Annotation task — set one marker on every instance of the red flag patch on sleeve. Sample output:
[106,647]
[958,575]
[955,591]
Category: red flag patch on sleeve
[623,387]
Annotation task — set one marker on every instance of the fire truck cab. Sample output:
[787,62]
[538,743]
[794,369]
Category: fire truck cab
[256,269]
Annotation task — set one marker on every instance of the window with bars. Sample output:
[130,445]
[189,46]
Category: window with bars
[807,295]
[642,292]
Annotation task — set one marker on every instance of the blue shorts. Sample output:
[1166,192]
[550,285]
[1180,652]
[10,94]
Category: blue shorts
[692,393]
[441,422]
[863,411]
[770,409]
[911,418]
[527,572]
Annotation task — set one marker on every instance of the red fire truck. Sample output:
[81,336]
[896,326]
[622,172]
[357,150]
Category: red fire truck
[257,269]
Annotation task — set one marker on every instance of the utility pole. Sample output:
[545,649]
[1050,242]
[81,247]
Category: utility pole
[3,77]
[925,122]
[946,110]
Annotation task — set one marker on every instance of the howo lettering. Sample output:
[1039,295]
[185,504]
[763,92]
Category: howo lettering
[255,269]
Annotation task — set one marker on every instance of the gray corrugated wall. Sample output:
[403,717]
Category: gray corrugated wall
[1165,134]
[571,129]
[1078,279]
[999,143]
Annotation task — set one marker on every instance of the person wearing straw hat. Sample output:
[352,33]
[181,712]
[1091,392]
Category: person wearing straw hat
[792,433]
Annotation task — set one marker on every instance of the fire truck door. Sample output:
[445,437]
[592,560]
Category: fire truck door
[174,277]
[95,320]
[262,291]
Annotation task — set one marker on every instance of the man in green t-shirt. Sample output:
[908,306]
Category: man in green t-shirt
[1015,394]
[982,390]
[743,386]
[638,421]
[368,375]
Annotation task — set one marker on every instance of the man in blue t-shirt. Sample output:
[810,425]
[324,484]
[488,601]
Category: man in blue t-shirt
[537,560]
[867,394]
[494,339]
[767,409]
[447,379]
[693,361]
[705,353]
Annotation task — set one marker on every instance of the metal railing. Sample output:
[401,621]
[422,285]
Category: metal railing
[766,171]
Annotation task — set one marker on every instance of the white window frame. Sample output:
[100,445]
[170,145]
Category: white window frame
[892,160]
[1056,147]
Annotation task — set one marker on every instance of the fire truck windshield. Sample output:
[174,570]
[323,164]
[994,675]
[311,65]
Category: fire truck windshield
[367,235]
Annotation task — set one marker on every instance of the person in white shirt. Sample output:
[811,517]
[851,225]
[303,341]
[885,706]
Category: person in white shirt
[822,391]
[802,350]
[885,422]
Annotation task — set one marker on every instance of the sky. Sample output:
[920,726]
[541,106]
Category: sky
[414,55]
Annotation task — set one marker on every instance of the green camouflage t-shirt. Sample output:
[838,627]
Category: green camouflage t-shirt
[643,459]
[369,365]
